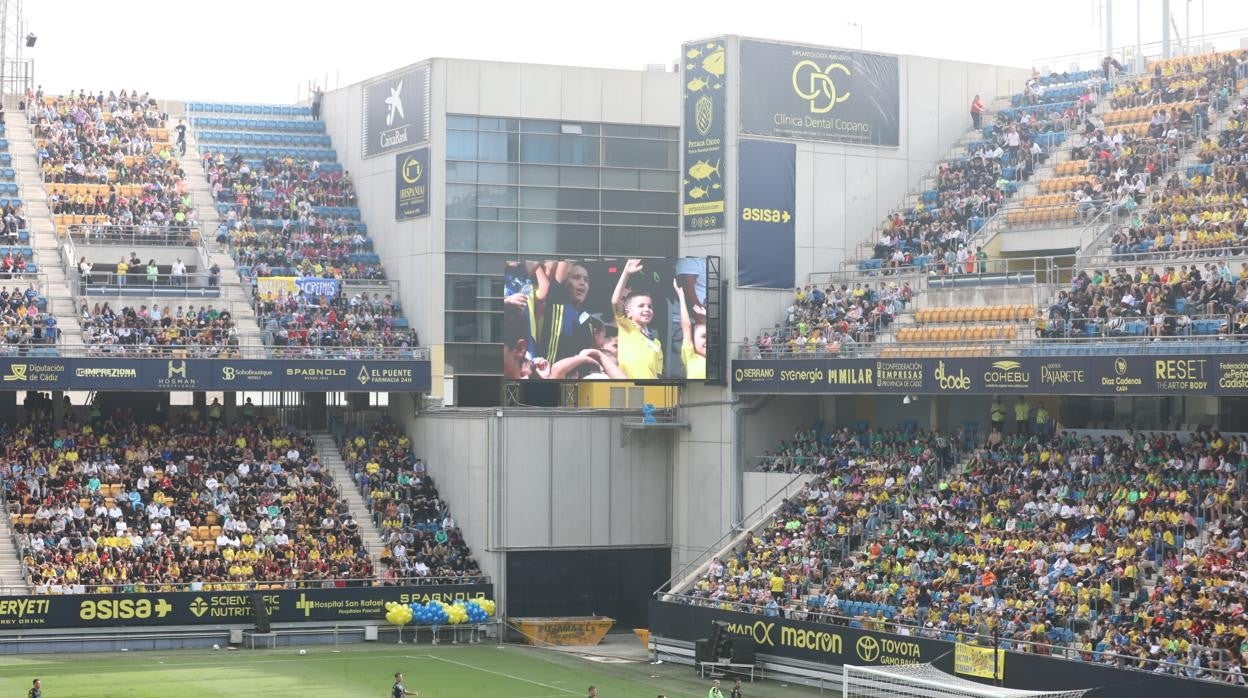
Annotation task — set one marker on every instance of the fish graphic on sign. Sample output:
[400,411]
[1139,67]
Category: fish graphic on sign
[703,169]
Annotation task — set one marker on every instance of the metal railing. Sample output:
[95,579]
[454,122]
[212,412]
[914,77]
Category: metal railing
[1057,651]
[1135,344]
[736,530]
[136,235]
[131,587]
[242,350]
[139,282]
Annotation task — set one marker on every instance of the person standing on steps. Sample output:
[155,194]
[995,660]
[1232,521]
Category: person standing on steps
[977,112]
[181,129]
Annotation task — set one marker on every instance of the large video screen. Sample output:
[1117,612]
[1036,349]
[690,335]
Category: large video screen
[619,319]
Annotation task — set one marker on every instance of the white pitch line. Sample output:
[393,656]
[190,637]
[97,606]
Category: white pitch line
[496,673]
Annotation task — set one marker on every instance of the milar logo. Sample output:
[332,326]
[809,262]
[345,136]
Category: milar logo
[950,381]
[1006,374]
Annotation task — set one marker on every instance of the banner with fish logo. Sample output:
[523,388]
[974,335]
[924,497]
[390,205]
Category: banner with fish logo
[766,231]
[813,93]
[702,133]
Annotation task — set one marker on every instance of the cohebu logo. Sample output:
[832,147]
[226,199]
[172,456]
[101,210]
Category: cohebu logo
[814,84]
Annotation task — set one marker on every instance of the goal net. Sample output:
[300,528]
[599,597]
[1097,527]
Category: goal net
[927,681]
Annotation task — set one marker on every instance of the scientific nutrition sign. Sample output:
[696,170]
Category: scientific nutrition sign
[220,607]
[821,94]
[702,135]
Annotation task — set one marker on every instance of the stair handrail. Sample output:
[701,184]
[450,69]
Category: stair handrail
[734,530]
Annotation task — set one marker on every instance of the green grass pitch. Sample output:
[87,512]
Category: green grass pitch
[454,671]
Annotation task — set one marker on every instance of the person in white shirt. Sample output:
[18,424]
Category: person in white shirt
[178,272]
[182,524]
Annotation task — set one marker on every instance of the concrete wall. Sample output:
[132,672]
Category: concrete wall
[545,479]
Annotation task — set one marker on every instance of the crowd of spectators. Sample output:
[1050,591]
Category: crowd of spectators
[118,140]
[1127,550]
[112,504]
[935,234]
[274,224]
[158,331]
[1166,297]
[354,324]
[830,320]
[23,321]
[422,542]
[1199,78]
[1201,214]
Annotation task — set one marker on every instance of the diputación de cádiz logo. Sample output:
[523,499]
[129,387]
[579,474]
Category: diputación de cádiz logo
[412,170]
[814,84]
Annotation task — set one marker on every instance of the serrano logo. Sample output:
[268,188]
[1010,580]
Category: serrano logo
[815,85]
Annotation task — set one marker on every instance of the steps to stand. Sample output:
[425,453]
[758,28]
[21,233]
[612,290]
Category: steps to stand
[331,460]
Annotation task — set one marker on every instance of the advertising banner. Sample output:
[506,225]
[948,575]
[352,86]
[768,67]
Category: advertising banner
[272,286]
[19,613]
[795,639]
[633,320]
[971,660]
[1206,374]
[396,112]
[411,184]
[766,231]
[702,135]
[351,375]
[820,94]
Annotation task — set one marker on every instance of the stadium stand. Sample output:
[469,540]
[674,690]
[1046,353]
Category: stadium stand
[158,332]
[116,505]
[421,538]
[108,161]
[289,210]
[1125,550]
[823,321]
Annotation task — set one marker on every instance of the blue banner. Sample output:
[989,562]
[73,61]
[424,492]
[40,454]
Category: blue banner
[411,184]
[314,286]
[350,375]
[766,232]
[702,135]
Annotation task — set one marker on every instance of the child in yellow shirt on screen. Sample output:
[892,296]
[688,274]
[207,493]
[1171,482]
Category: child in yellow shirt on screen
[640,350]
[693,338]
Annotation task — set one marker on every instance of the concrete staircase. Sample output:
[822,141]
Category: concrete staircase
[235,294]
[331,460]
[11,579]
[43,238]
